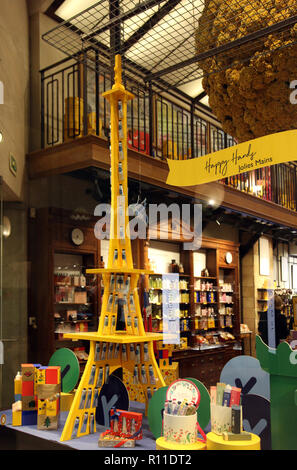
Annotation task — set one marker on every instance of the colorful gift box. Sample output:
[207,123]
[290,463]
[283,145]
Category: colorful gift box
[28,389]
[46,422]
[29,403]
[170,373]
[41,407]
[126,424]
[28,371]
[17,418]
[29,418]
[48,405]
[52,375]
[40,375]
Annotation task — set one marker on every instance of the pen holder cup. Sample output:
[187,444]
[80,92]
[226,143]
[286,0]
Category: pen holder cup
[181,429]
[221,419]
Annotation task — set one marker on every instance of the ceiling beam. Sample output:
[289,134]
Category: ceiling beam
[199,97]
[140,8]
[244,249]
[277,27]
[145,28]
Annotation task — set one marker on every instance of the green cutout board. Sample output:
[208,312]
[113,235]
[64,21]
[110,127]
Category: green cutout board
[281,364]
[68,362]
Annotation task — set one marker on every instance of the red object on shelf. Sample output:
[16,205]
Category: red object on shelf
[139,141]
[28,389]
[52,375]
[132,431]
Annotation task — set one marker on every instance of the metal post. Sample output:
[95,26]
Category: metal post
[42,110]
[192,131]
[151,118]
[85,95]
[97,104]
[115,32]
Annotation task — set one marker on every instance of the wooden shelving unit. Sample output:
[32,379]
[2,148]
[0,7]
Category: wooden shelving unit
[205,361]
[51,247]
[262,300]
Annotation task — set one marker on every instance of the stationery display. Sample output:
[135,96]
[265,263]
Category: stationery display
[180,423]
[226,412]
[37,396]
[125,429]
[121,340]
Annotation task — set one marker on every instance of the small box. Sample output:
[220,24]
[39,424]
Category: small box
[52,407]
[40,375]
[29,418]
[28,371]
[80,297]
[29,403]
[28,389]
[236,419]
[183,343]
[170,373]
[45,422]
[243,436]
[48,404]
[163,363]
[17,406]
[41,410]
[45,391]
[17,418]
[66,400]
[114,441]
[52,375]
[127,424]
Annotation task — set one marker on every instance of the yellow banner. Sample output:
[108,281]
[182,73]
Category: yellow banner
[252,155]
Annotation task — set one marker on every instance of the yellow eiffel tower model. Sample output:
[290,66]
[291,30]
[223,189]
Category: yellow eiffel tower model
[121,341]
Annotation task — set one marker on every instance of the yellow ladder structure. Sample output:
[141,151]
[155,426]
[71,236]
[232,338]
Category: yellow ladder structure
[121,341]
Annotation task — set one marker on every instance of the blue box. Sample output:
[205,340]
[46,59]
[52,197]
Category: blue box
[29,418]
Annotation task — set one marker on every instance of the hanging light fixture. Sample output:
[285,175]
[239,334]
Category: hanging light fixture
[6,227]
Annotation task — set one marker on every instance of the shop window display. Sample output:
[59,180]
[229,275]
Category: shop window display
[122,342]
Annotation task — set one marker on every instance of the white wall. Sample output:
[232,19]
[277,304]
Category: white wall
[14,113]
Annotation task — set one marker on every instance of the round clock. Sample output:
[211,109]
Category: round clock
[228,257]
[77,236]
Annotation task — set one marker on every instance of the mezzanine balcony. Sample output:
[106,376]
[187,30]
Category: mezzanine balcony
[161,125]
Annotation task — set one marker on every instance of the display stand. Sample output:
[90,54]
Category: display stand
[216,442]
[162,444]
[121,340]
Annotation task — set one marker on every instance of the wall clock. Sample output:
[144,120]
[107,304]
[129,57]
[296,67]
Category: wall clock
[77,236]
[228,257]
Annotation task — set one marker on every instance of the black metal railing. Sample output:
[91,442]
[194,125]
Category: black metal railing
[159,125]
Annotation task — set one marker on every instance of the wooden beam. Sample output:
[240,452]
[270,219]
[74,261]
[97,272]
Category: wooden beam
[93,151]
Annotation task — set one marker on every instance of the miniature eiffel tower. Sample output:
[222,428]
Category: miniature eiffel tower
[121,341]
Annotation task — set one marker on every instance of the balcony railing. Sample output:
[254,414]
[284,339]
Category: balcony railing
[160,124]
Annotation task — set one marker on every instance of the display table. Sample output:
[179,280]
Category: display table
[30,438]
[216,442]
[162,444]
